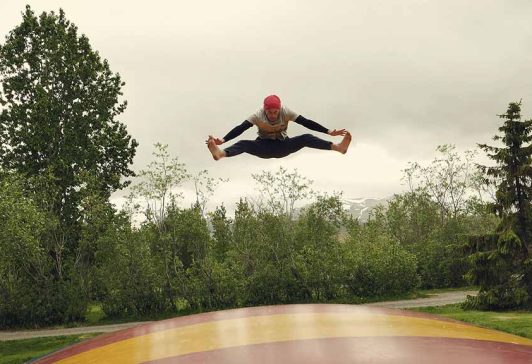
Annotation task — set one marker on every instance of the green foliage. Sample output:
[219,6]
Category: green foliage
[414,220]
[23,261]
[150,270]
[178,259]
[449,180]
[59,131]
[157,185]
[21,224]
[320,255]
[166,228]
[204,186]
[378,264]
[265,258]
[210,284]
[258,258]
[31,295]
[440,265]
[263,247]
[60,107]
[445,204]
[185,233]
[130,283]
[494,268]
[412,217]
[280,191]
[222,238]
[500,262]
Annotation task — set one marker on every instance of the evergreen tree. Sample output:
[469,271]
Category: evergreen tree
[501,262]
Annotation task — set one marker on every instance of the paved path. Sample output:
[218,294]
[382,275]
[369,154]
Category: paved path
[438,299]
[435,300]
[28,334]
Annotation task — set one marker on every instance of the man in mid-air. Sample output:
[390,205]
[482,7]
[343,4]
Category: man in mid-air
[272,141]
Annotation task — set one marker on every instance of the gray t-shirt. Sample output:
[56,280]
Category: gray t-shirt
[285,115]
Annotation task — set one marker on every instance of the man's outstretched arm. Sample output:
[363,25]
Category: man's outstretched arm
[312,125]
[236,131]
[239,129]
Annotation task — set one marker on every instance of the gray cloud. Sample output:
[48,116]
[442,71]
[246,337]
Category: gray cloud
[402,76]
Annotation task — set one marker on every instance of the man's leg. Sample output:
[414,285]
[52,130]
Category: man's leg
[311,141]
[266,148]
[262,148]
[306,140]
[242,146]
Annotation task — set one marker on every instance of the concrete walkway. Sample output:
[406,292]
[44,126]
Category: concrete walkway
[435,300]
[438,299]
[28,334]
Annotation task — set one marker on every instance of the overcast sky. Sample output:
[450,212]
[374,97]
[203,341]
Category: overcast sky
[401,76]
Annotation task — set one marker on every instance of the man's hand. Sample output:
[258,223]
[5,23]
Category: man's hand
[217,141]
[336,132]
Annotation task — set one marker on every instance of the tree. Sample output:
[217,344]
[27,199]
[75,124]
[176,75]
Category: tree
[411,217]
[222,234]
[166,224]
[502,262]
[450,180]
[319,261]
[282,189]
[23,262]
[157,185]
[204,186]
[60,104]
[128,279]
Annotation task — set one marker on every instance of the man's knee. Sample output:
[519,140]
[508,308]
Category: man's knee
[305,139]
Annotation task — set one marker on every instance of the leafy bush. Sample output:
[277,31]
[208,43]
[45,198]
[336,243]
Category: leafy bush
[378,265]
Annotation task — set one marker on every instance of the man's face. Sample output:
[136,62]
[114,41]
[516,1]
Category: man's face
[272,114]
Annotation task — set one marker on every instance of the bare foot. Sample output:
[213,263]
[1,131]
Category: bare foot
[216,152]
[344,144]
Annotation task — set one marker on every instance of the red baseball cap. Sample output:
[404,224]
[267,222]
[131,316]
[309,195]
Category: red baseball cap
[272,102]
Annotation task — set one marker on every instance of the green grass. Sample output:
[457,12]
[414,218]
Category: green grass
[21,351]
[513,322]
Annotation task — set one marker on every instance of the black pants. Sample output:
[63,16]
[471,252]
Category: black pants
[272,148]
